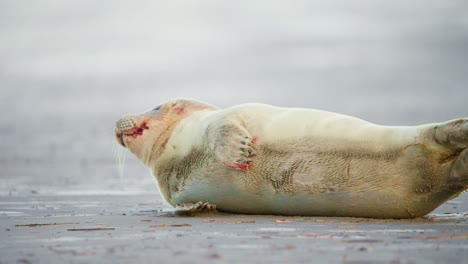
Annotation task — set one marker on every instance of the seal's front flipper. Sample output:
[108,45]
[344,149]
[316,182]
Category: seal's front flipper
[453,134]
[232,144]
[194,208]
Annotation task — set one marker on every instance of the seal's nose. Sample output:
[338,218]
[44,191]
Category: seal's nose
[124,124]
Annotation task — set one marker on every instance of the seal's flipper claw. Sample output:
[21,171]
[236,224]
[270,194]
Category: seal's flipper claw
[233,145]
[194,208]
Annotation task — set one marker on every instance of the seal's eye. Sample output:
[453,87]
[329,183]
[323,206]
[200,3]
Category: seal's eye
[157,108]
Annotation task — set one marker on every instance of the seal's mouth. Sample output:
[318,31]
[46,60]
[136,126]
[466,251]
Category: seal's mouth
[122,129]
[119,137]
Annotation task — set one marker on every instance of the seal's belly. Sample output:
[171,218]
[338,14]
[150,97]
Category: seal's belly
[239,199]
[309,181]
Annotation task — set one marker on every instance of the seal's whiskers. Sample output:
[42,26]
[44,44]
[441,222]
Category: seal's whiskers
[119,156]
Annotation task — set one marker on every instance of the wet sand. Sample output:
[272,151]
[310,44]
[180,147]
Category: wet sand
[140,229]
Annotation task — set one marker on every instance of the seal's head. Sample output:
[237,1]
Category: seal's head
[146,134]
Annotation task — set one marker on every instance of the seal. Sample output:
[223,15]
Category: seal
[261,159]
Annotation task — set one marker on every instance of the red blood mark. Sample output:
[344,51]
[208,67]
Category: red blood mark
[239,166]
[243,166]
[138,131]
[254,139]
[180,110]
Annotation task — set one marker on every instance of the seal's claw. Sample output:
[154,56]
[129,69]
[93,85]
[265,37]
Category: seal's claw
[194,208]
[247,150]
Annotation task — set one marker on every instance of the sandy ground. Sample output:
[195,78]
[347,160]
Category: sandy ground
[135,229]
[69,70]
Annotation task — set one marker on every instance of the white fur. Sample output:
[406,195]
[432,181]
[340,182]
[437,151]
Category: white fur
[270,124]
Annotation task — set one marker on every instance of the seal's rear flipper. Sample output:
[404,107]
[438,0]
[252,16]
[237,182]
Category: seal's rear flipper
[232,144]
[458,180]
[453,134]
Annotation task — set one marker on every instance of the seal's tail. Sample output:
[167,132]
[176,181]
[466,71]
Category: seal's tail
[458,180]
[452,134]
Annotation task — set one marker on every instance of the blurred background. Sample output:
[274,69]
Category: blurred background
[70,69]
